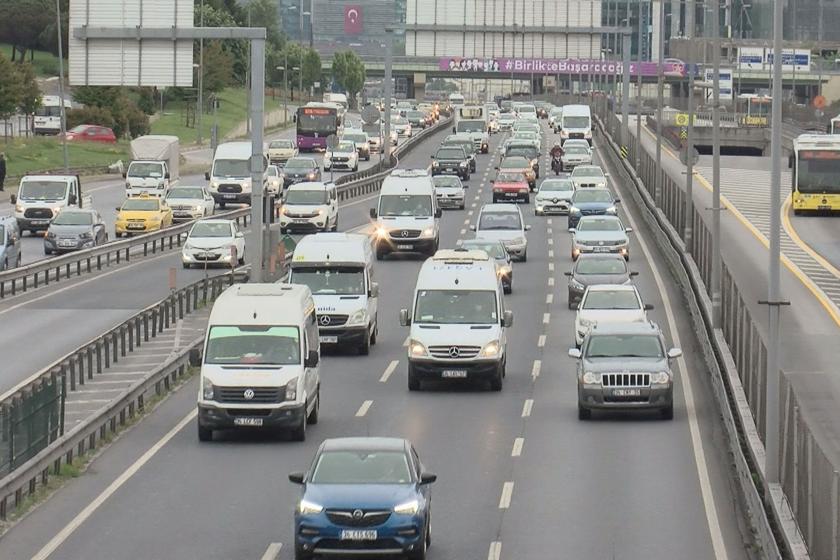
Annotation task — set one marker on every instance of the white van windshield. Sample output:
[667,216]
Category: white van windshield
[253,345]
[417,205]
[575,122]
[343,280]
[231,168]
[476,307]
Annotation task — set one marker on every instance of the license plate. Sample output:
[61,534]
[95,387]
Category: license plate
[229,196]
[627,392]
[247,421]
[40,222]
[511,194]
[328,339]
[405,247]
[301,221]
[67,243]
[454,373]
[823,207]
[602,249]
[136,226]
[358,535]
[206,255]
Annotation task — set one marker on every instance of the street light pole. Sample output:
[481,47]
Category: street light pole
[689,151]
[200,107]
[716,256]
[639,91]
[62,110]
[660,85]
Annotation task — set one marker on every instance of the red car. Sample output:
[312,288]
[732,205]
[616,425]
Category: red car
[511,185]
[92,133]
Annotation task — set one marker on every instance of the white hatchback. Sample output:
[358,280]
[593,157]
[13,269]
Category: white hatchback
[214,241]
[608,303]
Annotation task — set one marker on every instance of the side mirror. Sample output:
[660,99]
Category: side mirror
[13,198]
[167,175]
[206,175]
[454,131]
[507,319]
[617,201]
[438,212]
[240,235]
[472,228]
[312,359]
[427,478]
[195,357]
[297,477]
[528,227]
[72,199]
[373,213]
[574,353]
[492,181]
[124,174]
[374,290]
[117,208]
[674,353]
[606,174]
[405,320]
[433,157]
[634,273]
[628,230]
[790,161]
[496,168]
[571,230]
[648,307]
[567,273]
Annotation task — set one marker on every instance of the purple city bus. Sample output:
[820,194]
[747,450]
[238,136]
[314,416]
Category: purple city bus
[314,124]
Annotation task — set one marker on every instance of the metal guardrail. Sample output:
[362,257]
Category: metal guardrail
[53,270]
[735,355]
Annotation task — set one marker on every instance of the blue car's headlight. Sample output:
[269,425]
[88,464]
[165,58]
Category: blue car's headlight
[408,508]
[309,508]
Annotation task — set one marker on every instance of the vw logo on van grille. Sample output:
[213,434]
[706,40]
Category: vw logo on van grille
[324,320]
[454,352]
[248,394]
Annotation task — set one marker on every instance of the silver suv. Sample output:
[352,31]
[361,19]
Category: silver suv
[625,366]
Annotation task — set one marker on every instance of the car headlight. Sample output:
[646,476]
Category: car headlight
[310,176]
[214,185]
[50,235]
[408,508]
[155,219]
[660,378]
[590,378]
[587,134]
[612,210]
[358,318]
[416,349]
[435,164]
[18,208]
[291,390]
[463,164]
[429,232]
[207,390]
[381,232]
[490,350]
[505,270]
[564,134]
[197,208]
[188,246]
[519,241]
[85,236]
[574,210]
[285,210]
[306,507]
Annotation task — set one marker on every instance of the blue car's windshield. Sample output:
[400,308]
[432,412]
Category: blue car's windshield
[361,467]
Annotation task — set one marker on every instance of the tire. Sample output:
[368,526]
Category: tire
[47,252]
[525,256]
[380,254]
[300,554]
[495,200]
[222,205]
[299,433]
[462,206]
[421,553]
[356,167]
[584,413]
[528,199]
[312,419]
[508,289]
[498,380]
[413,379]
[367,157]
[204,434]
[375,332]
[667,413]
[335,225]
[364,348]
[241,259]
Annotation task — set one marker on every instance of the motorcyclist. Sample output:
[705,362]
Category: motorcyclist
[557,158]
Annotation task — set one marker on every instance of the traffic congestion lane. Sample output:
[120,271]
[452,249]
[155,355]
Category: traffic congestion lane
[96,303]
[480,443]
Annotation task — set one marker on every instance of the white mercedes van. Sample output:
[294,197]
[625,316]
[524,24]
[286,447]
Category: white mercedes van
[458,320]
[338,269]
[406,214]
[260,361]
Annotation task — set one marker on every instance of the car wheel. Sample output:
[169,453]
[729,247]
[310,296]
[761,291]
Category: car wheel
[284,230]
[525,256]
[204,434]
[313,416]
[584,413]
[497,381]
[495,199]
[301,554]
[667,412]
[462,206]
[299,432]
[527,199]
[46,252]
[507,289]
[380,254]
[335,225]
[420,553]
[413,379]
[364,348]
[241,260]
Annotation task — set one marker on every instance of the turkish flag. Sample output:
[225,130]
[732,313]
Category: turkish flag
[353,20]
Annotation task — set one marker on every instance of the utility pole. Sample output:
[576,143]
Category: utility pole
[200,107]
[660,79]
[386,141]
[62,111]
[285,86]
[716,209]
[248,82]
[639,92]
[625,89]
[258,201]
[771,469]
[689,149]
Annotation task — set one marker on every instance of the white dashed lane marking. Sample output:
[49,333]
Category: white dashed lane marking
[541,341]
[507,494]
[535,370]
[517,447]
[527,408]
[363,409]
[388,371]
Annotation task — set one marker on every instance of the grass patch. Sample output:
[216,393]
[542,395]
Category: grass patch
[35,154]
[44,63]
[232,111]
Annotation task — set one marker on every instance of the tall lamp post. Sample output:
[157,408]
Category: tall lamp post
[285,90]
[299,70]
[62,110]
[200,107]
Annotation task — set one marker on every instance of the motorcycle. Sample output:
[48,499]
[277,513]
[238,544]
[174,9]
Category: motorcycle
[557,164]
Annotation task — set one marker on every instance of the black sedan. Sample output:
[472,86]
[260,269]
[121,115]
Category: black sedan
[591,269]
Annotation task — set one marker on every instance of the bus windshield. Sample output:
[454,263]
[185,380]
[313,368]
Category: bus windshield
[321,120]
[818,171]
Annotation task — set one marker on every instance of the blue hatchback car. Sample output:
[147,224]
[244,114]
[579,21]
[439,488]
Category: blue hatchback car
[591,201]
[364,496]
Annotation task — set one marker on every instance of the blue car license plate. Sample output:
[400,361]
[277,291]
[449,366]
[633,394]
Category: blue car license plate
[358,535]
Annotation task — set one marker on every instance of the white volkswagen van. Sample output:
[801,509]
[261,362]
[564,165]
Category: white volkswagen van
[260,361]
[338,269]
[458,320]
[406,214]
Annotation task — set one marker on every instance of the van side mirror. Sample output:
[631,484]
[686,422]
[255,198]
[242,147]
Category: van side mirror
[648,307]
[528,227]
[297,477]
[567,273]
[405,320]
[628,230]
[195,357]
[438,212]
[571,230]
[617,201]
[72,199]
[206,175]
[634,273]
[574,353]
[373,213]
[507,319]
[13,198]
[472,228]
[374,290]
[790,161]
[312,359]
[427,478]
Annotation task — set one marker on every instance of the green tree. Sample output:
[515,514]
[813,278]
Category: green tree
[219,14]
[10,89]
[22,23]
[349,73]
[218,67]
[30,93]
[311,67]
[264,14]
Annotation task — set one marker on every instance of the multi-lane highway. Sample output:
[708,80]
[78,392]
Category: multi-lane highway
[519,476]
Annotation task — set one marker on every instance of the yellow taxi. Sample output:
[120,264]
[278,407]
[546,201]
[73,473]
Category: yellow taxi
[142,214]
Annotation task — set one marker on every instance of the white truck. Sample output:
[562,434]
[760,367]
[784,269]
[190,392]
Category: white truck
[472,120]
[41,197]
[154,165]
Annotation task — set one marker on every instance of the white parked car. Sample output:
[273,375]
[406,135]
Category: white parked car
[586,176]
[344,156]
[609,303]
[190,203]
[273,180]
[310,207]
[214,241]
[503,222]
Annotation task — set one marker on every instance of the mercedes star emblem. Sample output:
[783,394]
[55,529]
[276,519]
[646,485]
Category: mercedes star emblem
[454,352]
[358,514]
[324,320]
[404,233]
[248,394]
[600,243]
